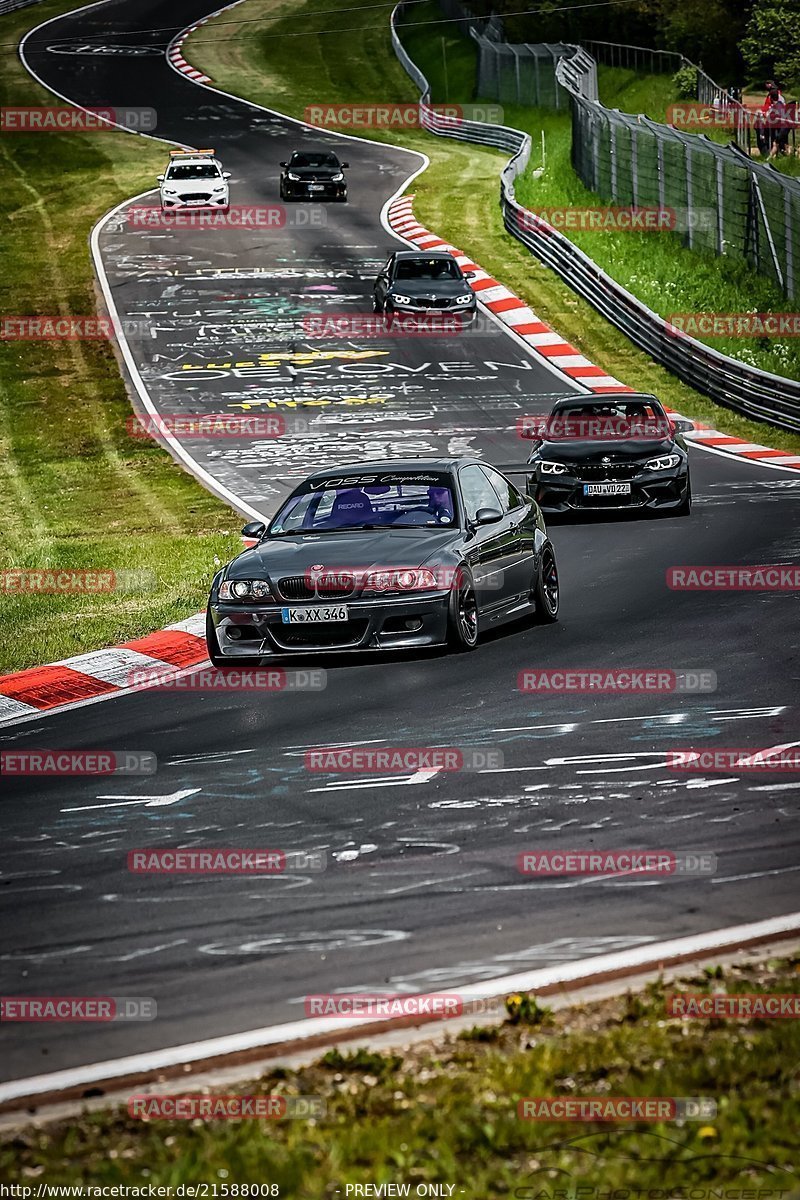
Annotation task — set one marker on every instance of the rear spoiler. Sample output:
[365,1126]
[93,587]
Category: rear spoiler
[190,153]
[514,468]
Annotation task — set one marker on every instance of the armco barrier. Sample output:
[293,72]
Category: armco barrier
[754,393]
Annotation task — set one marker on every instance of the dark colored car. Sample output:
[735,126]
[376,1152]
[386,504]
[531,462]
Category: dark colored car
[412,282]
[313,175]
[385,555]
[615,451]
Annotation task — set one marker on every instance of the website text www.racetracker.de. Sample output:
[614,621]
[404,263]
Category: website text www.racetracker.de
[183,1191]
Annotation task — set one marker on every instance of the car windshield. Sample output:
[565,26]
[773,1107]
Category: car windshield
[427,268]
[193,171]
[314,160]
[367,504]
[640,417]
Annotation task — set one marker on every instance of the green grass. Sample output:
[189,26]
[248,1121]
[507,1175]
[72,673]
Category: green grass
[446,1112]
[75,490]
[457,195]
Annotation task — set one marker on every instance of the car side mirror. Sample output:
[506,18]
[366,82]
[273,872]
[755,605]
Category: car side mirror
[255,529]
[160,178]
[283,164]
[488,516]
[469,274]
[346,165]
[226,174]
[682,426]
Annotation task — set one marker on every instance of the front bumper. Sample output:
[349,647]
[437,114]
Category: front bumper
[375,624]
[428,310]
[310,189]
[649,490]
[194,202]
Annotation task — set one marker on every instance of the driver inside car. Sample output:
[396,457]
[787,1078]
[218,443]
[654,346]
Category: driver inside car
[440,503]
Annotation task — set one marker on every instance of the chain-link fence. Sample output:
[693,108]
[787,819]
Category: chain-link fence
[732,205]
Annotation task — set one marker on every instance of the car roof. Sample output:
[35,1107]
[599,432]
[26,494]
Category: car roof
[423,254]
[316,150]
[606,398]
[412,465]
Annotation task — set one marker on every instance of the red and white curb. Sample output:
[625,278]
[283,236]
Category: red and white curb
[276,1040]
[178,62]
[550,345]
[100,673]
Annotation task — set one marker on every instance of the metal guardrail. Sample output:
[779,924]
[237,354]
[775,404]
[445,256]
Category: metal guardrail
[744,389]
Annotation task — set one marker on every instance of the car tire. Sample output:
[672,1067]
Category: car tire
[462,618]
[376,308]
[545,591]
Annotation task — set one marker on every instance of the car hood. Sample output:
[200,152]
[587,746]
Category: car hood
[623,450]
[315,172]
[370,549]
[435,288]
[191,187]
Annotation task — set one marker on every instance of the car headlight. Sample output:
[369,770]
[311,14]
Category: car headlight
[401,581]
[338,177]
[170,191]
[291,175]
[464,299]
[219,187]
[400,299]
[664,463]
[551,468]
[244,589]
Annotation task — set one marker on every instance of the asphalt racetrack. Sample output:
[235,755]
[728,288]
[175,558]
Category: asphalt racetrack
[421,891]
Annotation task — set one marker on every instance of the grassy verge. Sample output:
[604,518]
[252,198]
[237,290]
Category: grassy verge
[446,1112]
[457,195]
[75,491]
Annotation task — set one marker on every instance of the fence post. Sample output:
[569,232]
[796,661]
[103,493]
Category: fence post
[612,131]
[720,207]
[788,232]
[689,194]
[635,165]
[662,191]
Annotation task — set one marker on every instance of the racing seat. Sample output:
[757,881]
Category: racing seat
[352,507]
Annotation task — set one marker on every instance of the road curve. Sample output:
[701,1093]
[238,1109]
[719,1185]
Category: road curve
[421,891]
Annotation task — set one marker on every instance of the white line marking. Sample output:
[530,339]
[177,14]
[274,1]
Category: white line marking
[270,1035]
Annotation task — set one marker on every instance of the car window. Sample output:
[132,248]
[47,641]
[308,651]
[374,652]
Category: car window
[415,503]
[314,160]
[507,494]
[477,491]
[193,171]
[427,268]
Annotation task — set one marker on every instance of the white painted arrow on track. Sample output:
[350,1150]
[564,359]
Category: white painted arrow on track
[147,801]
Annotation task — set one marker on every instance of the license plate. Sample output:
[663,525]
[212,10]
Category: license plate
[310,616]
[316,187]
[606,489]
[196,203]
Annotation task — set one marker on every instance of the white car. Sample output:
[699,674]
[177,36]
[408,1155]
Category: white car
[194,179]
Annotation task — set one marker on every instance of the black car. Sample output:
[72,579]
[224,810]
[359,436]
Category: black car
[313,175]
[413,282]
[384,555]
[618,450]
